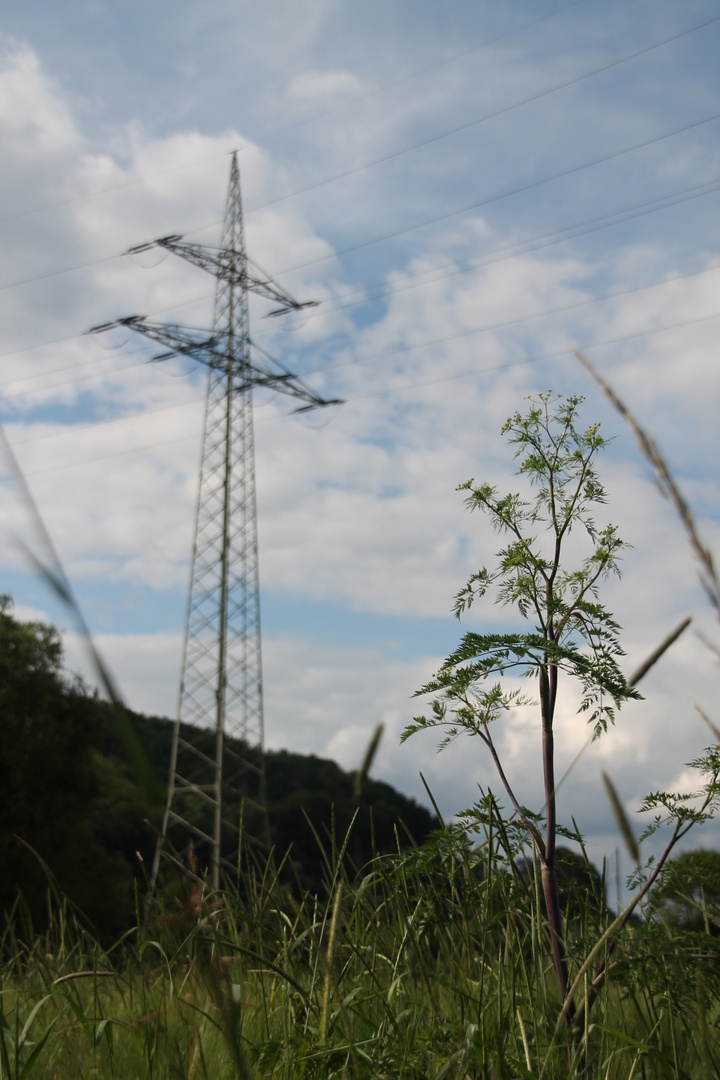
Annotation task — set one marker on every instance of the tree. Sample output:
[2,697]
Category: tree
[72,802]
[688,894]
[572,633]
[50,783]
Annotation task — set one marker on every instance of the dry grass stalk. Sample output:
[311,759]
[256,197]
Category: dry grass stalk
[362,774]
[621,818]
[657,653]
[667,487]
[708,721]
[329,960]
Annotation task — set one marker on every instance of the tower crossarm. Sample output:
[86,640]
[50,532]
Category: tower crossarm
[177,339]
[270,372]
[230,266]
[212,351]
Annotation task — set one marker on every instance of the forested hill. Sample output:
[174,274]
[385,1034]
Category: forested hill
[69,792]
[308,799]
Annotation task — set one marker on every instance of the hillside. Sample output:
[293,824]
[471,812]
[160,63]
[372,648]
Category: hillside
[74,811]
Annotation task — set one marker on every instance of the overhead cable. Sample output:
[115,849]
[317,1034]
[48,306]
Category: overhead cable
[405,348]
[448,132]
[464,209]
[400,389]
[298,124]
[414,146]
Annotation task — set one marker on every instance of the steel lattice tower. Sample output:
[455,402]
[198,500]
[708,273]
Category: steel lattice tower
[221,682]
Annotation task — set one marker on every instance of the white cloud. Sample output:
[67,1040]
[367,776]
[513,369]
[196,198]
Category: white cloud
[331,85]
[145,666]
[32,111]
[361,514]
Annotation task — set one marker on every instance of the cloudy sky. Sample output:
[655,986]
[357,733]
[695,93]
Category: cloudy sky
[471,190]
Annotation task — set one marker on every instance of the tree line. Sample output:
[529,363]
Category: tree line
[73,814]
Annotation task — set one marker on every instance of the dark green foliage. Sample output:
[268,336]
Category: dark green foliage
[688,895]
[431,963]
[311,802]
[306,785]
[50,783]
[580,885]
[69,791]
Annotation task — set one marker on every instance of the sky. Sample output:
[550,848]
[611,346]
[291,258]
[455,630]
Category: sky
[471,191]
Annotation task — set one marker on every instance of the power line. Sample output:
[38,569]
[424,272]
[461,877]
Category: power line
[487,116]
[487,328]
[283,131]
[55,273]
[272,135]
[376,161]
[466,208]
[519,190]
[108,190]
[399,389]
[508,252]
[94,424]
[515,320]
[82,333]
[424,71]
[104,457]
[70,382]
[536,359]
[53,371]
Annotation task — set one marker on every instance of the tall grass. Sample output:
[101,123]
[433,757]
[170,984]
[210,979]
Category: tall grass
[431,963]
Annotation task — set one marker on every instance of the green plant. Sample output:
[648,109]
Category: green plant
[572,633]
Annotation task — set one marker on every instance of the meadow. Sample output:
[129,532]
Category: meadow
[432,963]
[486,951]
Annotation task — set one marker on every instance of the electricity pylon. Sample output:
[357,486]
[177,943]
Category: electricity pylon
[221,682]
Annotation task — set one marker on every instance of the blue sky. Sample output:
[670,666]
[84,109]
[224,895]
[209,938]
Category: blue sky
[471,190]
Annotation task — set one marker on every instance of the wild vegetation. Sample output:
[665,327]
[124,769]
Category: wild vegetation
[485,949]
[68,791]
